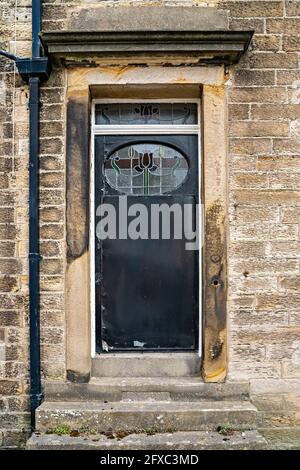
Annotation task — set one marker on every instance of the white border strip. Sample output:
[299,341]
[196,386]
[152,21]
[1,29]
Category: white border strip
[143,130]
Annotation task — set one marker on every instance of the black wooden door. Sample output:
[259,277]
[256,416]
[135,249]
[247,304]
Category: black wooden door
[146,288]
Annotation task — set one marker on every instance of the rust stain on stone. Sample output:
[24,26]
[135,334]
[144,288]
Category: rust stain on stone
[117,71]
[216,90]
[215,347]
[180,80]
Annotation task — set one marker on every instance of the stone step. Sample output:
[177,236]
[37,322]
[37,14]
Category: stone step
[146,388]
[199,440]
[139,416]
[146,365]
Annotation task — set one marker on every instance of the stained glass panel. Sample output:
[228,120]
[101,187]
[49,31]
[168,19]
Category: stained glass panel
[145,113]
[145,169]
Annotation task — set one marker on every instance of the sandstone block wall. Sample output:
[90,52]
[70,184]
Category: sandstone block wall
[263,204]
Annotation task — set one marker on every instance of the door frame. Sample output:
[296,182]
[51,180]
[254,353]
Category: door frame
[142,130]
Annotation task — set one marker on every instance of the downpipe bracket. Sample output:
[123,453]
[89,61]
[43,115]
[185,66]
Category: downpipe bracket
[38,67]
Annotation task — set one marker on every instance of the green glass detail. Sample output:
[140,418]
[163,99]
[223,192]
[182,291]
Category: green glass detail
[146,181]
[176,165]
[114,165]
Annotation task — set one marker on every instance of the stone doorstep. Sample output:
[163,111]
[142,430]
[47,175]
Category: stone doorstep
[282,438]
[180,364]
[158,416]
[146,389]
[201,440]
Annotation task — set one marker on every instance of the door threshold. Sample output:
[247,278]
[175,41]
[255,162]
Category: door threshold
[138,352]
[136,364]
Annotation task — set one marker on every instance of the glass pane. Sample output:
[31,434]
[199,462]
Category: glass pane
[146,113]
[145,169]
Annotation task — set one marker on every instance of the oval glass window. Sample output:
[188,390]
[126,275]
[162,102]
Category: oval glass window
[145,169]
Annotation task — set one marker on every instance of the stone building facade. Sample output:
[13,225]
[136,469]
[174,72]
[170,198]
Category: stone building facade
[262,170]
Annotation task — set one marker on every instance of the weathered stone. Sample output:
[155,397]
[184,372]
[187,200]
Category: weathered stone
[51,266]
[51,112]
[149,365]
[9,387]
[254,319]
[273,301]
[245,249]
[289,216]
[289,283]
[275,111]
[256,214]
[249,146]
[10,318]
[177,388]
[52,96]
[52,317]
[267,43]
[53,179]
[7,248]
[52,301]
[251,232]
[51,146]
[290,43]
[11,266]
[242,162]
[7,231]
[245,77]
[52,283]
[267,370]
[215,336]
[52,214]
[241,9]
[264,265]
[52,129]
[274,61]
[158,415]
[287,77]
[49,197]
[52,232]
[238,112]
[256,24]
[54,371]
[271,163]
[51,335]
[278,25]
[284,232]
[261,195]
[50,248]
[257,95]
[16,438]
[287,146]
[267,197]
[259,129]
[51,162]
[150,18]
[177,441]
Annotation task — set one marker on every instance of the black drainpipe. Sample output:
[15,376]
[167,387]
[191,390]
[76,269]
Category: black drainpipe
[34,245]
[34,70]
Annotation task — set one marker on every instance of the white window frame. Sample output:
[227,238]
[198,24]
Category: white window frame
[144,129]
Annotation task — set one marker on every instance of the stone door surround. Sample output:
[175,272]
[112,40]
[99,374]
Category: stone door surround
[106,54]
